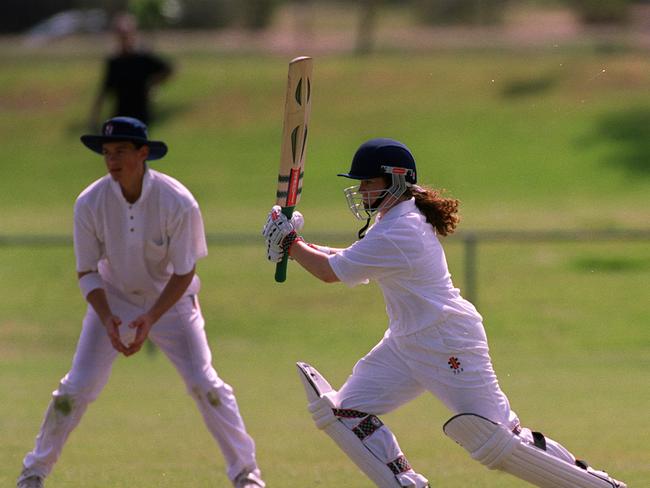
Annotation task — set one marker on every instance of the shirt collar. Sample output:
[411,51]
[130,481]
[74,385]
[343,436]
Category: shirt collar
[407,206]
[146,186]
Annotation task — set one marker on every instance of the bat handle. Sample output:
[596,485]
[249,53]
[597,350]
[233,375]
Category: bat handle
[281,267]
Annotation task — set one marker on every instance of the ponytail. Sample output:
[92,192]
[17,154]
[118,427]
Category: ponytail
[441,213]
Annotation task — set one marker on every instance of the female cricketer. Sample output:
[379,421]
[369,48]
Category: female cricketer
[435,340]
[138,234]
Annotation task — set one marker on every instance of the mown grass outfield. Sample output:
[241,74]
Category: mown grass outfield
[527,140]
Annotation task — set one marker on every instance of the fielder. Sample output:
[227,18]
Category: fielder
[435,340]
[137,237]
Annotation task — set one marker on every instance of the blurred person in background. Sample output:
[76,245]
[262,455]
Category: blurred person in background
[130,76]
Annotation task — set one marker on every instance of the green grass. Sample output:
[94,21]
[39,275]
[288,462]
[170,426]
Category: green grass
[527,140]
[569,344]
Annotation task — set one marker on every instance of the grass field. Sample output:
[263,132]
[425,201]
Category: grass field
[527,140]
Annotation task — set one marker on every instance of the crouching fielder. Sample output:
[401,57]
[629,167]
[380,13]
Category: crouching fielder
[138,234]
[435,341]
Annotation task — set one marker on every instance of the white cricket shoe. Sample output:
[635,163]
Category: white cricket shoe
[605,477]
[25,480]
[600,474]
[411,479]
[249,479]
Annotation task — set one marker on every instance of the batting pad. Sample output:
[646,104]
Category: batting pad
[497,447]
[321,408]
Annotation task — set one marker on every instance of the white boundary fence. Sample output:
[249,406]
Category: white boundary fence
[469,239]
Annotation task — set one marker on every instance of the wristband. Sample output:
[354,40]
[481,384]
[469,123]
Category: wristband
[323,249]
[89,282]
[289,240]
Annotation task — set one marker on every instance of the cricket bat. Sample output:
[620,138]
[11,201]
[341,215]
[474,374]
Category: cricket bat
[297,107]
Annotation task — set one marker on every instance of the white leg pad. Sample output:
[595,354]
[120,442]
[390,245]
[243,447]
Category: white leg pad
[497,447]
[321,406]
[349,443]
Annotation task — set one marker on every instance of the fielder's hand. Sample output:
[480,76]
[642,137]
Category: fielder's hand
[143,325]
[112,324]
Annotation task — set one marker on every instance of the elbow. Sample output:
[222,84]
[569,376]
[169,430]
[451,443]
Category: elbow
[329,279]
[329,276]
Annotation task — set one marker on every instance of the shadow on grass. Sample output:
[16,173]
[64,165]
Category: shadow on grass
[628,134]
[528,87]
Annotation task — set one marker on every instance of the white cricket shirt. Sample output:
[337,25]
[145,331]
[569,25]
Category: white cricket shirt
[403,254]
[137,246]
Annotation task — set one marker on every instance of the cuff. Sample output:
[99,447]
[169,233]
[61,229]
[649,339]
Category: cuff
[90,282]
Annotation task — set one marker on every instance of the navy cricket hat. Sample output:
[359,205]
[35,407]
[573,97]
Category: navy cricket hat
[373,155]
[124,129]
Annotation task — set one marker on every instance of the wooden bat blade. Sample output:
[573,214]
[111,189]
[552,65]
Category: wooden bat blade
[297,109]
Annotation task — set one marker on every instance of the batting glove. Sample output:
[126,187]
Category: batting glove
[278,226]
[274,253]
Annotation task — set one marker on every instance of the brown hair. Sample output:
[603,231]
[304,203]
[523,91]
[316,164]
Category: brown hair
[441,213]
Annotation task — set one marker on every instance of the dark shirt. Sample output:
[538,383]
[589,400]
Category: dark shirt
[129,78]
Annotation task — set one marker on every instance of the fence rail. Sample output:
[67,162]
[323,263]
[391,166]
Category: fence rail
[469,239]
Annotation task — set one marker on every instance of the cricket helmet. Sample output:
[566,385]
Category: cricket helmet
[375,158]
[124,129]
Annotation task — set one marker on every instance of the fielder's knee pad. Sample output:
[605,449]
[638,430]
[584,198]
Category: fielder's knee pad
[362,436]
[497,447]
[211,393]
[68,397]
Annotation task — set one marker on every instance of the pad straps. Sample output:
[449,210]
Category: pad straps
[365,428]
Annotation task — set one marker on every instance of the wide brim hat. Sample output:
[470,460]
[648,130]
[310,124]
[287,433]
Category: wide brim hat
[124,129]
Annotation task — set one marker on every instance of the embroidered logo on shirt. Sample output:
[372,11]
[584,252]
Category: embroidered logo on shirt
[454,365]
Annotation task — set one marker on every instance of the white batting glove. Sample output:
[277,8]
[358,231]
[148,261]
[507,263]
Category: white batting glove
[297,220]
[274,253]
[278,226]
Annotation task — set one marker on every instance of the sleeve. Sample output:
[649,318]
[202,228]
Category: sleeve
[157,65]
[374,257]
[187,242]
[87,246]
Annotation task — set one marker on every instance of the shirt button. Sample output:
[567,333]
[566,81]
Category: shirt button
[131,229]
[131,217]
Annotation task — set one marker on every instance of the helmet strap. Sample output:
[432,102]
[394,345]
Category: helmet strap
[362,232]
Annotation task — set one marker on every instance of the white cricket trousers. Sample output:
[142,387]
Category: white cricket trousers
[181,336]
[451,361]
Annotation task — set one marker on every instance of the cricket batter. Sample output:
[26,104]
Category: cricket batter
[138,234]
[435,341]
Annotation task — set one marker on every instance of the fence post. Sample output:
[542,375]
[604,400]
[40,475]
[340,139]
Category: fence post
[471,293]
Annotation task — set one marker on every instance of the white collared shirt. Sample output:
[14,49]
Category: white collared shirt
[403,254]
[137,246]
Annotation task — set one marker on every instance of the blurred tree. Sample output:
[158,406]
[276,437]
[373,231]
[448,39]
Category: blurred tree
[249,14]
[601,11]
[366,26]
[205,14]
[477,12]
[111,7]
[149,13]
[256,14]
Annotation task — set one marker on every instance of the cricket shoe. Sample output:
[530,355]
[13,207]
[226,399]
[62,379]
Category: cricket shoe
[249,479]
[411,479]
[25,480]
[605,477]
[600,474]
